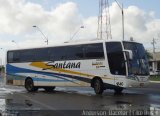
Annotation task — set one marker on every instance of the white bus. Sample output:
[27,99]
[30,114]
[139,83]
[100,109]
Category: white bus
[98,63]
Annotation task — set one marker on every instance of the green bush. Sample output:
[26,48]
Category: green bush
[155,78]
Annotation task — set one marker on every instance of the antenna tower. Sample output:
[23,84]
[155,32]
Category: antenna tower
[104,25]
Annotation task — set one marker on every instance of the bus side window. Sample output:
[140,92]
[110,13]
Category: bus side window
[16,56]
[41,54]
[57,53]
[74,52]
[10,57]
[94,51]
[27,55]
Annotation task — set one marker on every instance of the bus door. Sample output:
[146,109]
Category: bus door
[116,62]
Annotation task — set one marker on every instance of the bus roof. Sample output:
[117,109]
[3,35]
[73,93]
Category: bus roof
[68,43]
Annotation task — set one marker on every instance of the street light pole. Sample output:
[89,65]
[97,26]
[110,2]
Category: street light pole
[15,43]
[121,7]
[41,33]
[3,62]
[76,32]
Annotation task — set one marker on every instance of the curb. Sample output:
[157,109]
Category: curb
[154,81]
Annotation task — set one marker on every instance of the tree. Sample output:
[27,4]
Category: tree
[149,55]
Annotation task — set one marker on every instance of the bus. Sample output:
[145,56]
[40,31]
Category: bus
[100,64]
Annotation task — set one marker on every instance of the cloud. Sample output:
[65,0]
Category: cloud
[61,22]
[139,24]
[18,17]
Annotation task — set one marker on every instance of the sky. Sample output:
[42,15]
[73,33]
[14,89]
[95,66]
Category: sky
[58,20]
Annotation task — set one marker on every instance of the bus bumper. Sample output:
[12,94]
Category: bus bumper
[137,84]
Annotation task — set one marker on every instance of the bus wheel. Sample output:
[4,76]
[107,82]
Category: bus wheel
[29,85]
[49,89]
[98,86]
[118,90]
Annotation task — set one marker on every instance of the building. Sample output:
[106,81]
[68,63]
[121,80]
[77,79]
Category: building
[154,63]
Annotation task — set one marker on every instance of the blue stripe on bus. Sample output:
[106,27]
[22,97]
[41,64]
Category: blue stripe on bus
[13,70]
[48,80]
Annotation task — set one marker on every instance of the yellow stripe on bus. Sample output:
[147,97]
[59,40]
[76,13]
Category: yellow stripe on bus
[44,66]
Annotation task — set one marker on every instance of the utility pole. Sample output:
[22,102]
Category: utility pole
[104,25]
[154,57]
[121,7]
[153,43]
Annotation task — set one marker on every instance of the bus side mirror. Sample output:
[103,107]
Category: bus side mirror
[129,54]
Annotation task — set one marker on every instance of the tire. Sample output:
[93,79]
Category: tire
[29,85]
[118,90]
[98,86]
[49,89]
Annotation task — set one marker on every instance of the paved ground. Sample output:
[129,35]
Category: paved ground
[79,101]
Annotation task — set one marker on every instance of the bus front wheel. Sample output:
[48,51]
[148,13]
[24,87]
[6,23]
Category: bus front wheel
[98,86]
[29,85]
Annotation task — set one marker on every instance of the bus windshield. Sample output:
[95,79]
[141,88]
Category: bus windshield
[139,64]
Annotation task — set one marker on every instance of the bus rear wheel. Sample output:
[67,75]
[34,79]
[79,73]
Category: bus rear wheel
[49,89]
[98,86]
[29,85]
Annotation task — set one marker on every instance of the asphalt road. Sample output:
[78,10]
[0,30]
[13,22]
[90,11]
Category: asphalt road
[69,101]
